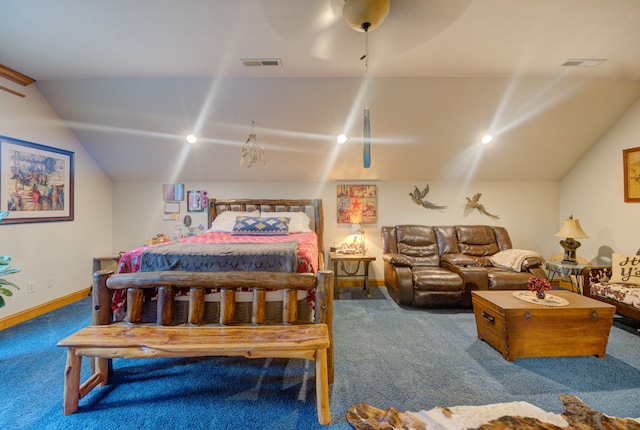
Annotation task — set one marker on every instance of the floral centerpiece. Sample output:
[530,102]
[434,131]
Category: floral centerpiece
[539,286]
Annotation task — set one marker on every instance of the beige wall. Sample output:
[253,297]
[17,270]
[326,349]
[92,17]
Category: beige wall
[594,192]
[529,210]
[62,250]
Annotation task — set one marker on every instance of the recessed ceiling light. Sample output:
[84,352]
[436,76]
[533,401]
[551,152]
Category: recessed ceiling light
[342,138]
[192,138]
[487,138]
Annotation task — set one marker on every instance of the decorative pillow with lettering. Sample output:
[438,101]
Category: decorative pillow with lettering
[258,226]
[625,269]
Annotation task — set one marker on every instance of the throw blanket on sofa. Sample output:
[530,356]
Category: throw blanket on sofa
[512,259]
[513,416]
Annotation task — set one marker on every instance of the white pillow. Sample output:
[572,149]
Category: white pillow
[298,221]
[224,222]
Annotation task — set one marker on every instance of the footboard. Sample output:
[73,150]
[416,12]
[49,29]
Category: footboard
[285,337]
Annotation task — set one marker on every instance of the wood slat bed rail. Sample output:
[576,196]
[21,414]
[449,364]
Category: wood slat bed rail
[233,280]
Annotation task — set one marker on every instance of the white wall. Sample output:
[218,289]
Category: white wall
[594,192]
[62,250]
[529,210]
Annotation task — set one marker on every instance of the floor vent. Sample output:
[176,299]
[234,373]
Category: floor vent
[254,62]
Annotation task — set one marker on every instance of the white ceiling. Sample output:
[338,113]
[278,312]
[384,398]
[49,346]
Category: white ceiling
[131,78]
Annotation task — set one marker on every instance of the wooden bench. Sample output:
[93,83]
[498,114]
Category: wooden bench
[260,338]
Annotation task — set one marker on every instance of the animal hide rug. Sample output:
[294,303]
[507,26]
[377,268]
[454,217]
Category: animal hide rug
[501,416]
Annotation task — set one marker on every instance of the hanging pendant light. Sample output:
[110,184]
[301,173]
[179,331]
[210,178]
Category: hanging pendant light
[365,15]
[366,113]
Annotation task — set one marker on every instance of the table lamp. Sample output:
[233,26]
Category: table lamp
[571,230]
[358,237]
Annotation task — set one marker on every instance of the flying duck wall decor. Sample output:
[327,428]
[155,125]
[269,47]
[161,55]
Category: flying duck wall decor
[418,197]
[473,203]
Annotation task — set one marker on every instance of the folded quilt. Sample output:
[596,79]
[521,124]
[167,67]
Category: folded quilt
[512,259]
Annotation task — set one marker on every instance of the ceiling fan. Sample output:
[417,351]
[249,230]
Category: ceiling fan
[323,29]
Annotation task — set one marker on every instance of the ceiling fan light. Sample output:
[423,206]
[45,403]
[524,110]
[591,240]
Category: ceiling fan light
[359,13]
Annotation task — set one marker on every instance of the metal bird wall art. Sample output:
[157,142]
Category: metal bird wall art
[418,197]
[473,203]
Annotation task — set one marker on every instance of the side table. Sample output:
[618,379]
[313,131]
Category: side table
[338,260]
[558,267]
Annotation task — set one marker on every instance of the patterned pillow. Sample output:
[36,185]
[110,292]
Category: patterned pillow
[251,225]
[625,269]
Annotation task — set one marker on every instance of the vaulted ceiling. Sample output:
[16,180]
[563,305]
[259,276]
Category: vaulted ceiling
[131,79]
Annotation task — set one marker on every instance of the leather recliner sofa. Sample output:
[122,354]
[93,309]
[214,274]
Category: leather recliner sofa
[439,266]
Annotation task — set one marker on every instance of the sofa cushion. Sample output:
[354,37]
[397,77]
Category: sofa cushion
[419,243]
[476,240]
[435,279]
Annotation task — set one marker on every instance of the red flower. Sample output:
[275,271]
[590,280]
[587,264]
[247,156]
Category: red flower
[538,284]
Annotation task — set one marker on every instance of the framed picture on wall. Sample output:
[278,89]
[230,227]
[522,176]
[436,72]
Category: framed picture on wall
[173,192]
[631,162]
[36,182]
[194,197]
[357,204]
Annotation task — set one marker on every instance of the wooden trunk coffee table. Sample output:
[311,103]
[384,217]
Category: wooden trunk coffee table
[518,328]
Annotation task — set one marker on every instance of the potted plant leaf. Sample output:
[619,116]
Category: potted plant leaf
[5,269]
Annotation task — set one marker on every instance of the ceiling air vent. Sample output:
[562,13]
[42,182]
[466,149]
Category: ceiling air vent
[254,62]
[583,63]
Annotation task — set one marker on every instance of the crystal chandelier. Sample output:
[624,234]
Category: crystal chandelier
[253,152]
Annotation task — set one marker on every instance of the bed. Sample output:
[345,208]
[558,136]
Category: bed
[225,292]
[225,246]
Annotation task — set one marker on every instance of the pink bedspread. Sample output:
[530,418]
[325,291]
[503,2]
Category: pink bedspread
[307,253]
[307,248]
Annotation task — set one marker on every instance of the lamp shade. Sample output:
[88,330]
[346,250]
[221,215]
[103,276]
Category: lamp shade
[356,228]
[571,228]
[364,15]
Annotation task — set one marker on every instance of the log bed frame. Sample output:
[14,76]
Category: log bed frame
[312,207]
[288,337]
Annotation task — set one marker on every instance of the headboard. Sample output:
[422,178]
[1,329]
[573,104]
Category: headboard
[312,207]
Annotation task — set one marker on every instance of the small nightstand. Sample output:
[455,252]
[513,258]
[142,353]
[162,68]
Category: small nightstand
[558,267]
[339,260]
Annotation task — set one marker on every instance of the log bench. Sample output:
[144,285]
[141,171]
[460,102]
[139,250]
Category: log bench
[260,338]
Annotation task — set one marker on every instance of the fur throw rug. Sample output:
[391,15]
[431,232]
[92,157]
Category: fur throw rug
[501,416]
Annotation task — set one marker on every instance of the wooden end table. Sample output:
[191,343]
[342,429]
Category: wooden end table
[558,267]
[338,259]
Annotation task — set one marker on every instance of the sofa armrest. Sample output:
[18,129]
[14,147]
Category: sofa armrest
[531,263]
[399,283]
[474,278]
[460,260]
[593,275]
[399,260]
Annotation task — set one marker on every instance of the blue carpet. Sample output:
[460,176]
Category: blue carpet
[385,355]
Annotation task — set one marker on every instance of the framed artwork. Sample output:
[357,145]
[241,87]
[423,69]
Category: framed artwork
[631,161]
[36,182]
[173,192]
[195,199]
[357,204]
